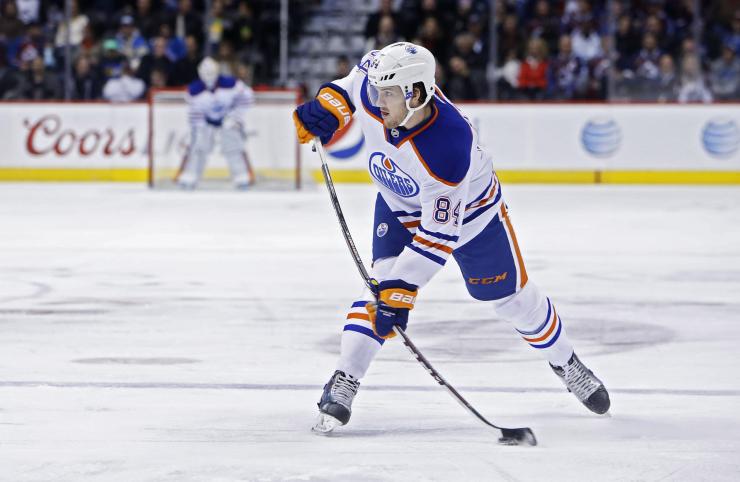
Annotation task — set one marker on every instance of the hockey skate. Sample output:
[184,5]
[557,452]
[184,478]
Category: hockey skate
[581,381]
[335,406]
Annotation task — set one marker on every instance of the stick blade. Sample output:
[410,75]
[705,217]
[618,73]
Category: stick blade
[517,436]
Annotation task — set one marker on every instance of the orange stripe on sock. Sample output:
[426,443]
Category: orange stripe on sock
[520,261]
[549,331]
[426,242]
[358,316]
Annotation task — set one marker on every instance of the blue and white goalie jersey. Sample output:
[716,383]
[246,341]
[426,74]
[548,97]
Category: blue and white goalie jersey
[227,101]
[436,179]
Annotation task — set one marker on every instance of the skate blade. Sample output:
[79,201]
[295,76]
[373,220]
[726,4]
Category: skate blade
[325,424]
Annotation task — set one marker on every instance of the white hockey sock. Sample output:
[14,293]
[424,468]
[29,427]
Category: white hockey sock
[536,320]
[359,343]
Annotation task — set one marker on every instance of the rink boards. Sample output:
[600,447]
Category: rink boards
[542,143]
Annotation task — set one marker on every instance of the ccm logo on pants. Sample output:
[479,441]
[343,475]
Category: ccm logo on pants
[488,281]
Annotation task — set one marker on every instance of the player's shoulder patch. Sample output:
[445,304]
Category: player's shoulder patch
[444,147]
[366,60]
[196,87]
[226,81]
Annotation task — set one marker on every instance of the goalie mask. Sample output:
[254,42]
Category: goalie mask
[401,64]
[208,72]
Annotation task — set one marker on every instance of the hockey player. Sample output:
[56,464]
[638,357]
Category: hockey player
[438,197]
[216,103]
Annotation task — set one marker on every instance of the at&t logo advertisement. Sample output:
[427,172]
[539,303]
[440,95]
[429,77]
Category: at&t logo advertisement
[601,137]
[721,137]
[387,173]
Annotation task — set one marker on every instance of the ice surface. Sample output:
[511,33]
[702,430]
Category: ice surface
[171,336]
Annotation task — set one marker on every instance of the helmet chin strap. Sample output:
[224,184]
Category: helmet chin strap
[411,111]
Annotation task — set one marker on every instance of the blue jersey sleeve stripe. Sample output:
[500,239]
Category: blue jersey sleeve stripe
[436,259]
[359,304]
[415,214]
[446,237]
[480,196]
[480,211]
[365,331]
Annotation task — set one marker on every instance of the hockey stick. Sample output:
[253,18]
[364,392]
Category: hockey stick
[509,436]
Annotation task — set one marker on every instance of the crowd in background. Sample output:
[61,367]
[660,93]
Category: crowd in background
[561,49]
[121,48]
[544,49]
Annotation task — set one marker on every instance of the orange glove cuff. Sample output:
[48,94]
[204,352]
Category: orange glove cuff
[304,135]
[335,103]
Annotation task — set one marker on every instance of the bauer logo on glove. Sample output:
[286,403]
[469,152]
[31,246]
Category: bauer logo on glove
[330,111]
[395,299]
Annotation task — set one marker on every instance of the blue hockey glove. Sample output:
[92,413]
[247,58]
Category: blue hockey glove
[395,299]
[329,111]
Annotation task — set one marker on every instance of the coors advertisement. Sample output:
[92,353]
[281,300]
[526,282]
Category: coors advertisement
[74,135]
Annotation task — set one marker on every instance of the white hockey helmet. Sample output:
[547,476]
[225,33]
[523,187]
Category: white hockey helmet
[208,72]
[402,64]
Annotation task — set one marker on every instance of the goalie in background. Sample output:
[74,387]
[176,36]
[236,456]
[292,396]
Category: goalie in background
[216,103]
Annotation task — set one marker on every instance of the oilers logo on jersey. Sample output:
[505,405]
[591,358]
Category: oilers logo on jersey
[387,173]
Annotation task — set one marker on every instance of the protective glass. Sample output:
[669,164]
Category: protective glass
[385,96]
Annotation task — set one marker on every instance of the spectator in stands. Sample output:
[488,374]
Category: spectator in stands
[460,85]
[386,34]
[175,46]
[343,68]
[157,79]
[666,85]
[185,22]
[243,29]
[628,41]
[111,64]
[147,20]
[545,25]
[185,70]
[567,74]
[32,45]
[77,25]
[732,37]
[576,13]
[157,59]
[372,25]
[90,46]
[533,74]
[432,37]
[586,42]
[507,77]
[11,27]
[125,87]
[244,73]
[693,88]
[130,42]
[475,63]
[39,84]
[219,23]
[29,11]
[87,84]
[227,58]
[645,67]
[725,75]
[509,37]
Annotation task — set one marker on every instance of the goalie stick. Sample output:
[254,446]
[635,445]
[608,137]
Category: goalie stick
[509,436]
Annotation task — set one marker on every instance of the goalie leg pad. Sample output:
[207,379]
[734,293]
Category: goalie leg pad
[232,147]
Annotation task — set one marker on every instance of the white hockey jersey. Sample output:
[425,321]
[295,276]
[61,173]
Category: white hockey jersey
[435,178]
[229,99]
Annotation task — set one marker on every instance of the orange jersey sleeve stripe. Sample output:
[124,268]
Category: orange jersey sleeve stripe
[438,246]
